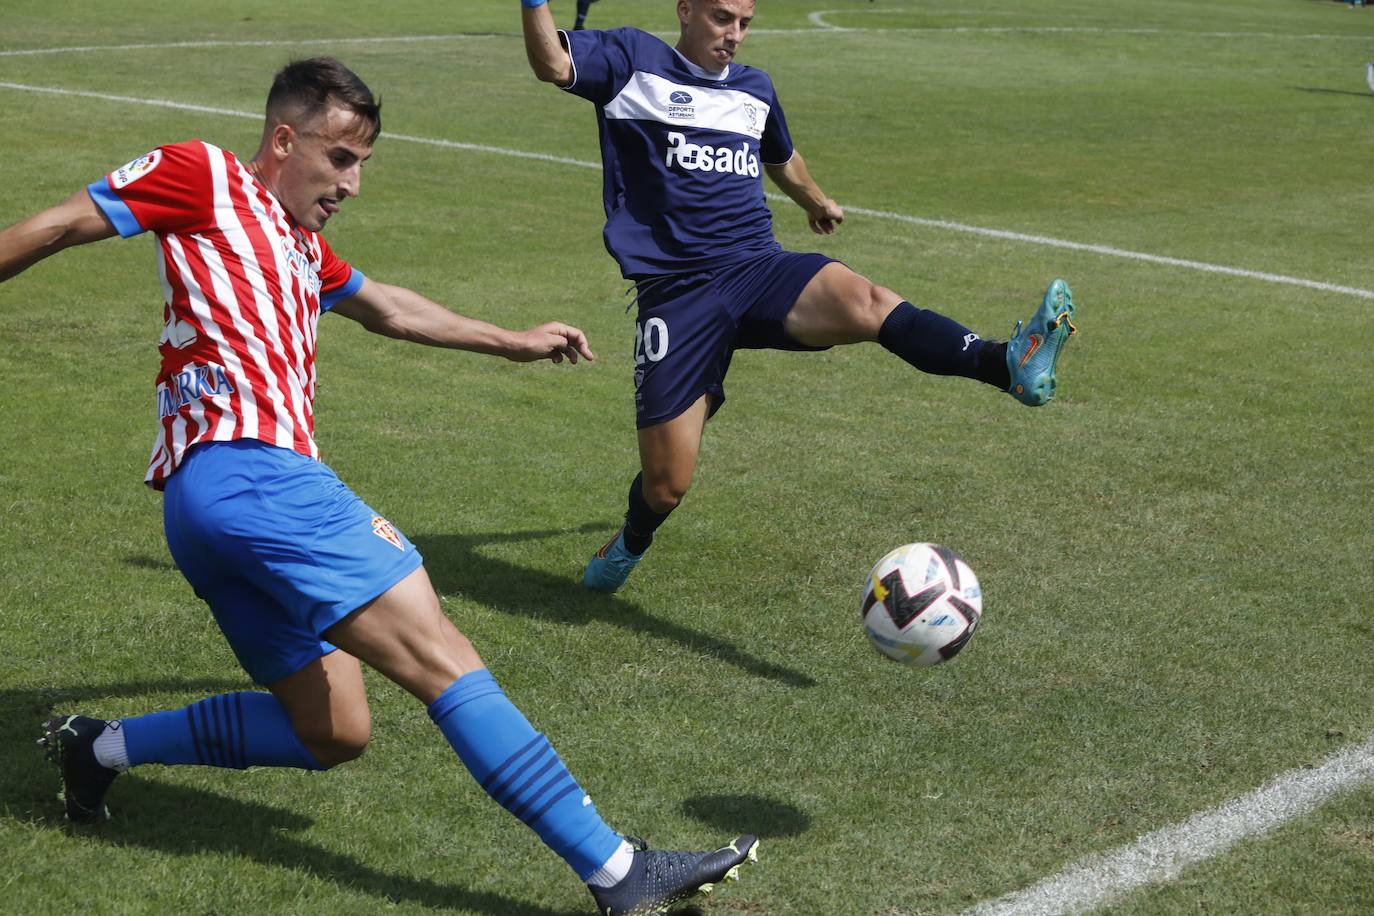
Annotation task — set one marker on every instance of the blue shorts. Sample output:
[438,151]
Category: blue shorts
[690,325]
[279,548]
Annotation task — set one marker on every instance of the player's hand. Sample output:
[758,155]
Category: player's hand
[553,341]
[826,218]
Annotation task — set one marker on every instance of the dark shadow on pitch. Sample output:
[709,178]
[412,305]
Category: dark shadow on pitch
[143,561]
[181,821]
[764,817]
[457,565]
[1363,95]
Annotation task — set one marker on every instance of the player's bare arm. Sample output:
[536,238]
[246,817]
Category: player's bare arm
[75,221]
[403,314]
[549,60]
[796,182]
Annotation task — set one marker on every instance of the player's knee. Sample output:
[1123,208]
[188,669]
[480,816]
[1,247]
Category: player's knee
[334,743]
[869,304]
[665,494]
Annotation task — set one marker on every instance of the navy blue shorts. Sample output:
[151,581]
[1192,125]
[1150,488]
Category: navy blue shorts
[279,548]
[690,325]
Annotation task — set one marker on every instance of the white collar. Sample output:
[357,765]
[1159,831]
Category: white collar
[701,72]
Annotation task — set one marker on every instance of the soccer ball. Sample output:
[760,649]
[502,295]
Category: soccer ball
[921,604]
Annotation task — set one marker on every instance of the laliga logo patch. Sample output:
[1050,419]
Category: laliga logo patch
[382,528]
[680,105]
[128,174]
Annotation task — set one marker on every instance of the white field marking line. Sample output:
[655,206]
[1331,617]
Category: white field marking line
[1043,30]
[1162,855]
[946,225]
[822,28]
[151,46]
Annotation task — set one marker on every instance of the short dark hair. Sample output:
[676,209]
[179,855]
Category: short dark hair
[309,87]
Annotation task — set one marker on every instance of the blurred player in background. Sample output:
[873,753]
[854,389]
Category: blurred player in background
[582,7]
[302,576]
[686,136]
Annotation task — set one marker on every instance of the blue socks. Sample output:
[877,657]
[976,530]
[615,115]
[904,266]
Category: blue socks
[520,769]
[235,730]
[941,346]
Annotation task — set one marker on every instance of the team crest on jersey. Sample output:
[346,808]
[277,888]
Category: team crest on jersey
[384,530]
[126,175]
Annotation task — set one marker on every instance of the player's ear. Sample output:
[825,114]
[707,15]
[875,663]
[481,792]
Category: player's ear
[283,140]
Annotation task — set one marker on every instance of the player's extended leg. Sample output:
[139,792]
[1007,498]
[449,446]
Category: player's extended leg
[405,635]
[314,719]
[668,458]
[839,306]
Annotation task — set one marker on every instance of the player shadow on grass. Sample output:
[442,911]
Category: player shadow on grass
[767,818]
[151,814]
[457,566]
[1363,95]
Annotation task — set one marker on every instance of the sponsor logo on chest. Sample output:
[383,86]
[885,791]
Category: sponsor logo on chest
[300,264]
[700,157]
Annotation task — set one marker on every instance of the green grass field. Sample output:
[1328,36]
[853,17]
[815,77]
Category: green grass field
[1175,553]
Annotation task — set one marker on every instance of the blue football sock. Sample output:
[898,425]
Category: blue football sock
[236,730]
[520,769]
[941,346]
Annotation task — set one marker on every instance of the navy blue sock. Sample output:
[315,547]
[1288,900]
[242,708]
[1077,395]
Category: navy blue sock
[520,769]
[641,521]
[235,730]
[941,346]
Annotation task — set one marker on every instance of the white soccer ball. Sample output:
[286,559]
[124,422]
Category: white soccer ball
[921,604]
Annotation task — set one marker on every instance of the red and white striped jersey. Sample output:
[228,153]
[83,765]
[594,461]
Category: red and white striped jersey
[244,287]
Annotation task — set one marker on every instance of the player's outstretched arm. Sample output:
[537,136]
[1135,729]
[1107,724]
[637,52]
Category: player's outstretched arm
[822,213]
[75,221]
[394,311]
[549,60]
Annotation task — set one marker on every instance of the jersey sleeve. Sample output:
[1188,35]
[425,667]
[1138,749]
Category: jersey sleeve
[166,190]
[602,62]
[338,278]
[776,146]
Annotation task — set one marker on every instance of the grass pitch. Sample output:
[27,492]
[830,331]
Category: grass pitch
[1175,552]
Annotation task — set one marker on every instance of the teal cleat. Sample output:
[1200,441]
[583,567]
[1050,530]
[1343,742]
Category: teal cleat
[1034,349]
[610,566]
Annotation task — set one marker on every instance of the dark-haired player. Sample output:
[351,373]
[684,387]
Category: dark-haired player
[303,578]
[686,136]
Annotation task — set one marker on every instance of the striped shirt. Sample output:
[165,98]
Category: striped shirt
[243,287]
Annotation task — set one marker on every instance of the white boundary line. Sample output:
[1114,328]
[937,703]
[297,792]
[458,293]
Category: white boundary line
[946,225]
[1162,855]
[822,28]
[265,43]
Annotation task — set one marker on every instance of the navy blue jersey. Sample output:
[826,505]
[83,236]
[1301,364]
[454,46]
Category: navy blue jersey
[682,151]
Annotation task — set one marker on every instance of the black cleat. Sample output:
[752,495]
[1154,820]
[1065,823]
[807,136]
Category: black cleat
[658,879]
[68,741]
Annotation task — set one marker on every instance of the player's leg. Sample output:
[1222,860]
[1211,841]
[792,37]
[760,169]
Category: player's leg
[839,306]
[313,719]
[405,635]
[668,457]
[582,7]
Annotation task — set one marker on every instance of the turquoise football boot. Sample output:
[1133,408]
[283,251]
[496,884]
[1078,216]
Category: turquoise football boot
[610,566]
[1033,350]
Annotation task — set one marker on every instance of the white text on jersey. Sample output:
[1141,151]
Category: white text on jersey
[703,158]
